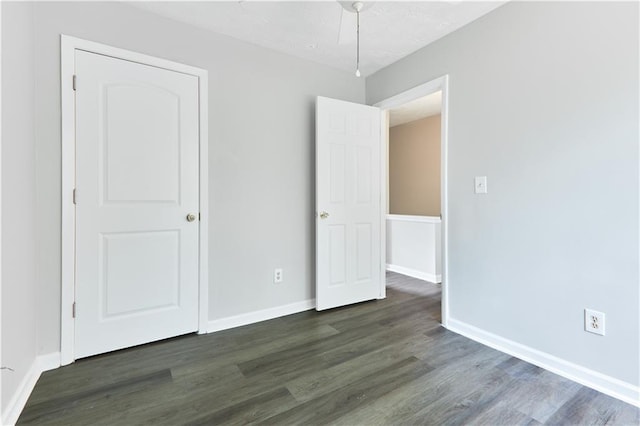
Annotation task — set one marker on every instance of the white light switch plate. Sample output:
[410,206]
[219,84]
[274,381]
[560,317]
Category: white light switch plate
[481,184]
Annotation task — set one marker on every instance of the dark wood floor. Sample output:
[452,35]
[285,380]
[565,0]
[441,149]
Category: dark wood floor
[382,362]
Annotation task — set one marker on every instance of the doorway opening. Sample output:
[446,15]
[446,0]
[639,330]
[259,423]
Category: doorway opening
[415,238]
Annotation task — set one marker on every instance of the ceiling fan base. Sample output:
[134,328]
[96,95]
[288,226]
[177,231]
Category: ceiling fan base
[355,6]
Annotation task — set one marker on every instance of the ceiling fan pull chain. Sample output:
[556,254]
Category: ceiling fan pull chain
[357,6]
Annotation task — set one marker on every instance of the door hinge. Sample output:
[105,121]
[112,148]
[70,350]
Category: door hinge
[74,196]
[73,310]
[74,82]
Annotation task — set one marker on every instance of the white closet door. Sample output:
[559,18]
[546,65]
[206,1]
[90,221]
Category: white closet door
[136,183]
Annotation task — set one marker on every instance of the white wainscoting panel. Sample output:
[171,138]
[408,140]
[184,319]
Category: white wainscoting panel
[414,246]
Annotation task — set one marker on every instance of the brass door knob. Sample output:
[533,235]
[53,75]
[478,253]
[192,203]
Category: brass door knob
[324,215]
[191,217]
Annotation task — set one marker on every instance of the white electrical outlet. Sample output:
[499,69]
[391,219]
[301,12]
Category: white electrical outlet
[277,275]
[594,322]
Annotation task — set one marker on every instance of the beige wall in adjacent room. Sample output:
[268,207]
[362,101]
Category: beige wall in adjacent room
[414,167]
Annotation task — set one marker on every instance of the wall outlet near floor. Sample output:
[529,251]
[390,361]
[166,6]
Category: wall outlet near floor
[277,275]
[594,322]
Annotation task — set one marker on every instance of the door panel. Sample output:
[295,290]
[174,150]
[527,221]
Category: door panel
[364,267]
[136,180]
[148,147]
[337,252]
[134,284]
[348,189]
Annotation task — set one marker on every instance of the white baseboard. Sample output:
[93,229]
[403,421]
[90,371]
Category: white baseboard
[432,278]
[606,384]
[49,361]
[41,364]
[263,315]
[20,397]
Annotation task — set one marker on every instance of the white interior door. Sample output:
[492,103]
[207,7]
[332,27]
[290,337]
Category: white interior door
[348,192]
[136,181]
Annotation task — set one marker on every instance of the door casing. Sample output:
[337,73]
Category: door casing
[68,47]
[438,84]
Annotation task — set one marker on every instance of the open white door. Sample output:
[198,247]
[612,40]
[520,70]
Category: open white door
[137,168]
[348,192]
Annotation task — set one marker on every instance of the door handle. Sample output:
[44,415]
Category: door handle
[324,215]
[191,217]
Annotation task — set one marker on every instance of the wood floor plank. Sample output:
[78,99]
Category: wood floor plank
[541,396]
[250,410]
[249,353]
[519,369]
[192,399]
[501,414]
[384,362]
[449,347]
[593,408]
[176,403]
[322,382]
[388,314]
[191,349]
[367,332]
[444,389]
[55,407]
[359,393]
[333,350]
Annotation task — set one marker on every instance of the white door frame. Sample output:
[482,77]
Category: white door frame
[438,84]
[68,47]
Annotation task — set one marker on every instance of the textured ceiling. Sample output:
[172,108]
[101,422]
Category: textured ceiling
[311,30]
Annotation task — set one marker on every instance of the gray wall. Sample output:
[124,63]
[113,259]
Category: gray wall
[18,199]
[544,102]
[261,149]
